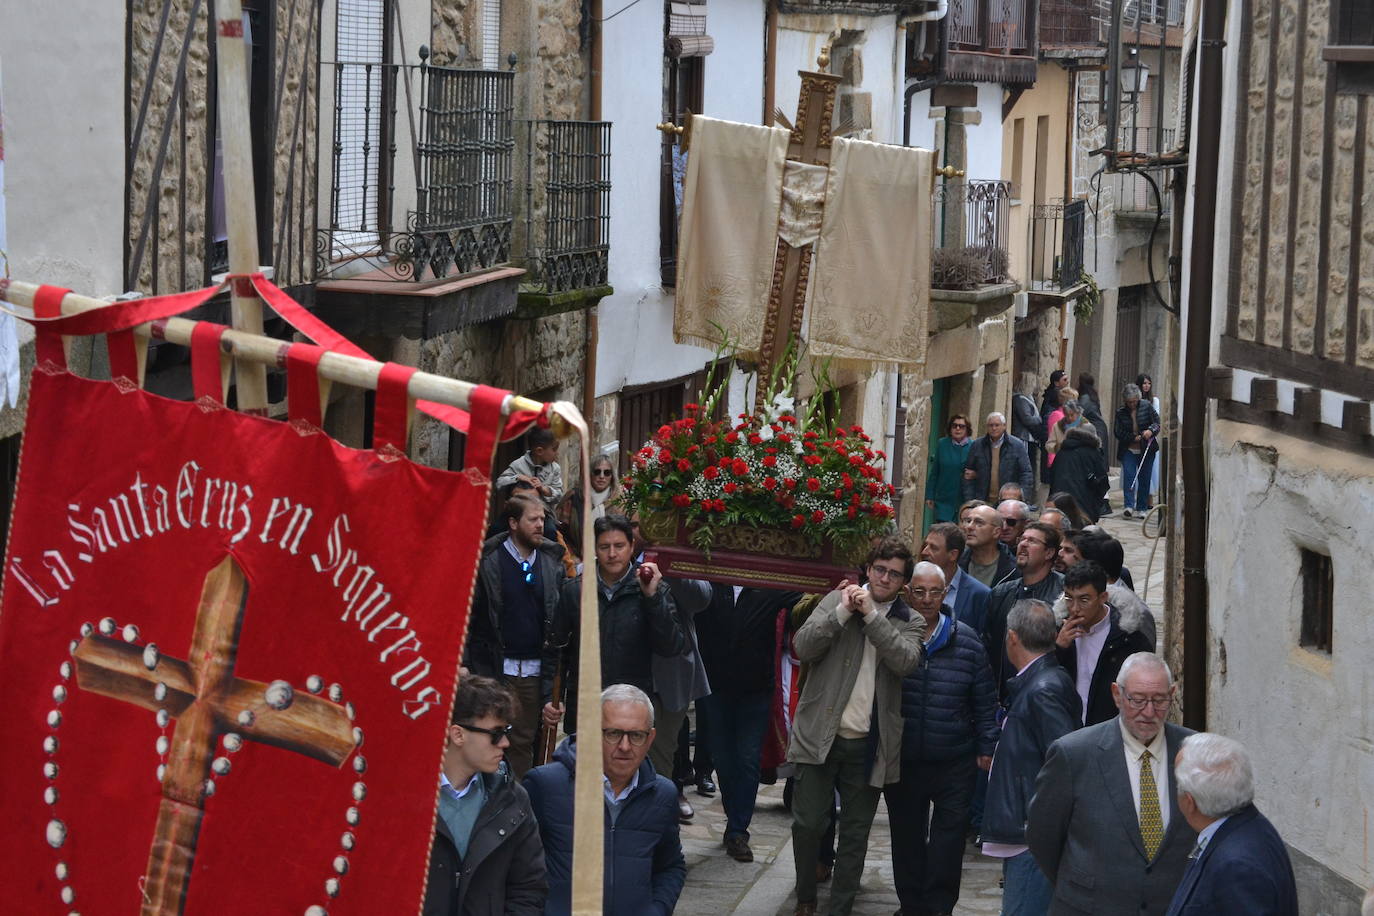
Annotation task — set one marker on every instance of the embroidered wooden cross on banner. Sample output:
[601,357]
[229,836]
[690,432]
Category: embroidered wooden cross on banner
[209,702]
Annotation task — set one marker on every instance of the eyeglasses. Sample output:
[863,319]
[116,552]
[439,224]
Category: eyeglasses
[882,572]
[1139,703]
[603,472]
[958,426]
[919,593]
[1034,541]
[495,734]
[529,573]
[616,735]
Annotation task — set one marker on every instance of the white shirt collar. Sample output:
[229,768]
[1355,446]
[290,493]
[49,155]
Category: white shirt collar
[515,551]
[614,797]
[1158,748]
[1205,835]
[443,781]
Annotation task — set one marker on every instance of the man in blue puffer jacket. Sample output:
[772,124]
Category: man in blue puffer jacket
[949,729]
[645,869]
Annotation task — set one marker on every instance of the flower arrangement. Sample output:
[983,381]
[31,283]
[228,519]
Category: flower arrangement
[787,468]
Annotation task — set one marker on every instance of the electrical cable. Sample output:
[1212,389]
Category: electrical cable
[617,12]
[1150,246]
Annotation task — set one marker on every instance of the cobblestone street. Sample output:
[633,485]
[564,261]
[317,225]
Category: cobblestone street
[716,884]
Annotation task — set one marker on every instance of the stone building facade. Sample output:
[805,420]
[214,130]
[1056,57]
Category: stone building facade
[1289,444]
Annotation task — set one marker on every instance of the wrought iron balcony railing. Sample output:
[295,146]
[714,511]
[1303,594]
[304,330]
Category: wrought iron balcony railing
[1056,246]
[564,231]
[1069,22]
[459,176]
[989,25]
[975,215]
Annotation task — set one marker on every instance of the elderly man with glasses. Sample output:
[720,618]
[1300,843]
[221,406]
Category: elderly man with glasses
[949,705]
[645,868]
[857,645]
[1104,824]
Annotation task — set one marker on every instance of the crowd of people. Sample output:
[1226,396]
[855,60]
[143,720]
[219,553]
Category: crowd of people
[999,683]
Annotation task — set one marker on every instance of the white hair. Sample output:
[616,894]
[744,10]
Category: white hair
[628,693]
[998,414]
[926,568]
[1021,508]
[1138,659]
[1215,771]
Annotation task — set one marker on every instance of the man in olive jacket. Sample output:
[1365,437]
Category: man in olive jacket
[847,733]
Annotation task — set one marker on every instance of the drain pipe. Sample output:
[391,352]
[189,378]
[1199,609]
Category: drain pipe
[936,15]
[1195,357]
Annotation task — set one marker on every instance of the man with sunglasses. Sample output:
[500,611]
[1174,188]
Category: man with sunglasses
[1104,824]
[487,856]
[857,645]
[645,868]
[513,609]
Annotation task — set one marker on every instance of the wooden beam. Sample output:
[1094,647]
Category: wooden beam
[1219,382]
[1307,405]
[1264,394]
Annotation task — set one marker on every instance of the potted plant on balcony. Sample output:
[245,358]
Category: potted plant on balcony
[785,495]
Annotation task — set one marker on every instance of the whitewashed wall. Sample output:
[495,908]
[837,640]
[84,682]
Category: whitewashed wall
[1306,716]
[636,322]
[64,142]
[984,139]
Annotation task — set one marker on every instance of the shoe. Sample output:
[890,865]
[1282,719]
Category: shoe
[737,848]
[706,788]
[823,872]
[684,808]
[1127,513]
[805,909]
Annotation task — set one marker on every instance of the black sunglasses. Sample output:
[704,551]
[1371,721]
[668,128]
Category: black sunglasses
[603,472]
[495,734]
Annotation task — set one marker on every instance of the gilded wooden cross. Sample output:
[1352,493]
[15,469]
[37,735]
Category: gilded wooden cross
[208,701]
[809,144]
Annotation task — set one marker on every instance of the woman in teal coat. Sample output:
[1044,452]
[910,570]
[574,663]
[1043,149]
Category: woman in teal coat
[946,472]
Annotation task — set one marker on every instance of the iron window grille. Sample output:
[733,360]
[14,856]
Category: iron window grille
[565,232]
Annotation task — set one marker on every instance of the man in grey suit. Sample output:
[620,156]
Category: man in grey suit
[1104,824]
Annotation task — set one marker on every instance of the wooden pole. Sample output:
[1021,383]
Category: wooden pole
[241,218]
[263,351]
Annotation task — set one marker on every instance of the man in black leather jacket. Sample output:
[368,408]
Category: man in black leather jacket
[1043,708]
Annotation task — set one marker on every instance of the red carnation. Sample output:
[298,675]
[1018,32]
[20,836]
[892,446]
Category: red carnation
[730,487]
[683,464]
[665,431]
[726,461]
[839,494]
[693,449]
[787,418]
[740,467]
[688,423]
[755,439]
[770,461]
[872,488]
[813,484]
[775,427]
[810,435]
[732,437]
[856,460]
[789,482]
[682,500]
[798,521]
[856,429]
[882,454]
[665,456]
[812,459]
[647,451]
[784,437]
[853,512]
[719,505]
[710,440]
[711,472]
[770,483]
[848,481]
[691,407]
[818,516]
[706,505]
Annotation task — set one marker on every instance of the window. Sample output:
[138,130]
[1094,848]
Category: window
[645,408]
[683,91]
[362,97]
[1018,160]
[1317,604]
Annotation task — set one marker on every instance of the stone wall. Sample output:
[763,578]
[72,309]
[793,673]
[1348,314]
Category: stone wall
[296,167]
[1282,184]
[541,356]
[183,178]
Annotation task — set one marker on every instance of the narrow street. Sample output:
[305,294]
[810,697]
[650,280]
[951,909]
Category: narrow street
[716,884]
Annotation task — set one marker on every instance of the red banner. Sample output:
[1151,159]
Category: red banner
[228,647]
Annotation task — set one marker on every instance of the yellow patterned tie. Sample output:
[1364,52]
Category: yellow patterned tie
[1151,823]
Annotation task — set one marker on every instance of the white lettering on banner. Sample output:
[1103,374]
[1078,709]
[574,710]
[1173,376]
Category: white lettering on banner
[144,510]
